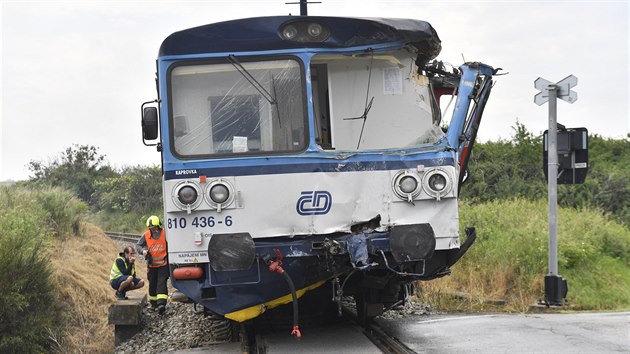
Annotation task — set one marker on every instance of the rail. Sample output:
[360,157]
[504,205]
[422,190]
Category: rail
[253,342]
[377,335]
[119,236]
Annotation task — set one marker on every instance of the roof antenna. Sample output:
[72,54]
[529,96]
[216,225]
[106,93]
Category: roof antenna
[303,4]
[464,59]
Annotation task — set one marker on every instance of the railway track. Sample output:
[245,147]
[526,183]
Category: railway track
[384,341]
[124,237]
[371,338]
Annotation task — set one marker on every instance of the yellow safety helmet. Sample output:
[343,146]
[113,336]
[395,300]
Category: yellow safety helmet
[154,221]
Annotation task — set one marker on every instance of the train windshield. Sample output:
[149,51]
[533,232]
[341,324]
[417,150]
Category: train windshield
[373,101]
[238,107]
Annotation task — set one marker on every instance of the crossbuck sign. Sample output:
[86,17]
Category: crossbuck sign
[563,89]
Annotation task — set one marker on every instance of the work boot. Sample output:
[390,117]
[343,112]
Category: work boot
[153,305]
[120,296]
[161,309]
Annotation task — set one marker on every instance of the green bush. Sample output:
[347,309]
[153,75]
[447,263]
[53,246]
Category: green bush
[124,201]
[134,189]
[507,169]
[132,222]
[30,220]
[76,169]
[65,212]
[29,312]
[51,209]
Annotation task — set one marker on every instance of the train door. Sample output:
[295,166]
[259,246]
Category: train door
[321,105]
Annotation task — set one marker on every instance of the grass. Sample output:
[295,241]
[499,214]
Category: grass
[31,222]
[509,259]
[82,266]
[54,268]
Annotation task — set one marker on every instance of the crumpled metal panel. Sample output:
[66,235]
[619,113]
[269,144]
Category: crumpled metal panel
[358,250]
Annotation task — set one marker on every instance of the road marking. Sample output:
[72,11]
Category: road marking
[455,318]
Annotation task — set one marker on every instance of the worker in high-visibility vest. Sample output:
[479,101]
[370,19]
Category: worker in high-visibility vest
[153,246]
[123,277]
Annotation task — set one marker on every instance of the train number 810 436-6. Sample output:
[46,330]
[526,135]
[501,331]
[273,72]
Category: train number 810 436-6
[198,222]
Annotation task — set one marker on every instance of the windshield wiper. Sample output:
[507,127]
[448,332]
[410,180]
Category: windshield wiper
[257,85]
[252,80]
[368,105]
[275,94]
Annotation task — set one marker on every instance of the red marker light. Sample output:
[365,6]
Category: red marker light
[202,179]
[183,273]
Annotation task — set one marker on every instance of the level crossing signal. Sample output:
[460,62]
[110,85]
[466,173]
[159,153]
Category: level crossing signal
[572,155]
[566,151]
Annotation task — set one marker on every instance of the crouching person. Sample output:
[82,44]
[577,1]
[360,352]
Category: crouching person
[123,274]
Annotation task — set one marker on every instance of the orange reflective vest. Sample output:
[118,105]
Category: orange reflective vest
[157,249]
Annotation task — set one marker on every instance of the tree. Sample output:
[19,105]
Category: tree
[506,169]
[135,189]
[514,168]
[76,169]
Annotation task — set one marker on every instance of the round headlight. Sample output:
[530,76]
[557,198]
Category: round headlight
[314,30]
[408,184]
[187,195]
[289,32]
[437,182]
[219,193]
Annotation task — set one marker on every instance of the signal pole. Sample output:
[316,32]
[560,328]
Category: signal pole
[555,286]
[552,183]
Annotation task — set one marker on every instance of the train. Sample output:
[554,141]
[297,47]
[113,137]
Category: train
[310,152]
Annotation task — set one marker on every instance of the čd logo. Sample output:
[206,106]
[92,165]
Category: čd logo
[314,203]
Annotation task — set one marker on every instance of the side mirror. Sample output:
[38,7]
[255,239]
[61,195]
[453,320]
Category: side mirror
[149,123]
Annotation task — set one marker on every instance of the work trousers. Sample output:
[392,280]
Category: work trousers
[158,292]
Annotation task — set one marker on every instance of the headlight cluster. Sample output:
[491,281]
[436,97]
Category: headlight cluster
[188,195]
[408,184]
[304,31]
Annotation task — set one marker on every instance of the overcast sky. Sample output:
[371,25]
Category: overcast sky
[76,72]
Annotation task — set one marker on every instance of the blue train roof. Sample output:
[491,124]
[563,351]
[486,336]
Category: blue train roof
[263,33]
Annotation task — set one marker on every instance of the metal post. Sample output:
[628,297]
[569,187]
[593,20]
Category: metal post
[555,286]
[552,173]
[303,8]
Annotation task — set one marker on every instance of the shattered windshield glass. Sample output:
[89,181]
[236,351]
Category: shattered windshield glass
[237,107]
[373,101]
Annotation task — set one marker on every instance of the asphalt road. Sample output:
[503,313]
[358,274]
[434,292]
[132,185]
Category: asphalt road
[485,333]
[514,333]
